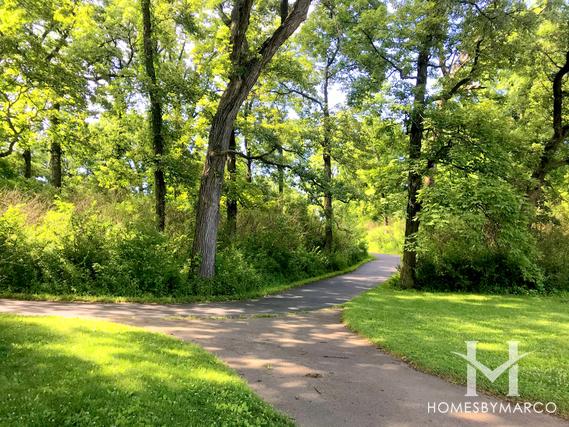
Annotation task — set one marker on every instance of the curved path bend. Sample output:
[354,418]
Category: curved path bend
[308,365]
[322,294]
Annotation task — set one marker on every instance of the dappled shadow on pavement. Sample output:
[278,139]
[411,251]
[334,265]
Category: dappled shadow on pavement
[307,364]
[310,366]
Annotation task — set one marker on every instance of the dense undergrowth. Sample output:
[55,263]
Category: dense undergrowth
[530,261]
[96,244]
[469,255]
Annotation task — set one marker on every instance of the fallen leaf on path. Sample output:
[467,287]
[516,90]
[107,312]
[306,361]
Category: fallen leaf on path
[313,375]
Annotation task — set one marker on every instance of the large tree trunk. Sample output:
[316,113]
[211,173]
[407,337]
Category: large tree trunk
[155,117]
[409,262]
[245,73]
[27,155]
[231,199]
[249,160]
[56,152]
[207,214]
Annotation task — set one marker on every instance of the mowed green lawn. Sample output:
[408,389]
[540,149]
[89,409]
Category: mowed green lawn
[425,328]
[57,372]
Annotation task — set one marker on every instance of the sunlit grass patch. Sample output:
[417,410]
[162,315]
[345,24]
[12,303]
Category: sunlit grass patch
[425,328]
[56,371]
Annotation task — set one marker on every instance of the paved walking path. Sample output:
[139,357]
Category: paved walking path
[307,364]
[322,294]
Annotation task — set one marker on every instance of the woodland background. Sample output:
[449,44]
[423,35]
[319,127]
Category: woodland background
[434,129]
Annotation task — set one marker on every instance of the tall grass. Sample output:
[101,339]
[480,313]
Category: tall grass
[386,238]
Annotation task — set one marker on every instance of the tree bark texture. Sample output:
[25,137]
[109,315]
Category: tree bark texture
[414,179]
[56,152]
[231,199]
[155,116]
[246,69]
[27,155]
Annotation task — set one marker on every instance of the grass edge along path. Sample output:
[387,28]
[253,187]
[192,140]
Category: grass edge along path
[259,293]
[424,328]
[56,371]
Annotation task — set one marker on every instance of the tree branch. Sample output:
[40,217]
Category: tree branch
[226,19]
[240,18]
[387,59]
[284,10]
[558,129]
[453,90]
[301,93]
[9,150]
[285,30]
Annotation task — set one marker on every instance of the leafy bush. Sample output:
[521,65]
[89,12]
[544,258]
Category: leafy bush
[96,246]
[17,266]
[235,275]
[386,238]
[475,238]
[553,243]
[488,273]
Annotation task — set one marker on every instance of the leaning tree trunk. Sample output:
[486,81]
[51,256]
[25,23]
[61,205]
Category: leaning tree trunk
[231,199]
[246,68]
[155,117]
[207,215]
[27,155]
[409,262]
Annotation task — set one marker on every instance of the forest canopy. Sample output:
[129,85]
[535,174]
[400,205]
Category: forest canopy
[191,149]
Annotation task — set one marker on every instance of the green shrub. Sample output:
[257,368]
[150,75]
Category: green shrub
[17,266]
[307,262]
[104,246]
[235,275]
[553,243]
[487,273]
[279,243]
[386,238]
[475,238]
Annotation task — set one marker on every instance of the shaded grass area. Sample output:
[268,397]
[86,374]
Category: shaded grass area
[424,329]
[56,372]
[150,299]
